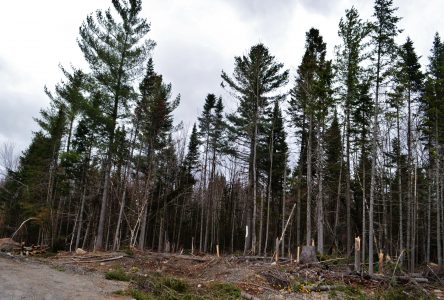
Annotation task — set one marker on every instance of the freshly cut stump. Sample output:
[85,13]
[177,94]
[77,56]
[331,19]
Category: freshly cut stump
[308,255]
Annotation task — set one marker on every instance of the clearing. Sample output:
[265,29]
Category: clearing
[149,275]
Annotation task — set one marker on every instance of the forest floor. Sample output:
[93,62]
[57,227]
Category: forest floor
[149,275]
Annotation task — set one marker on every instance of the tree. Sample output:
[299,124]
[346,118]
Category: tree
[29,191]
[408,77]
[333,171]
[350,55]
[384,50]
[273,153]
[256,81]
[206,121]
[155,109]
[116,51]
[432,110]
[361,118]
[312,95]
[192,158]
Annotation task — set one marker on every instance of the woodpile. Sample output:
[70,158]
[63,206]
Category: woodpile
[34,250]
[9,245]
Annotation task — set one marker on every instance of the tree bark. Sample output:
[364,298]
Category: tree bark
[309,187]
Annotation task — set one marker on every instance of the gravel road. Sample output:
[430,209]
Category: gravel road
[27,279]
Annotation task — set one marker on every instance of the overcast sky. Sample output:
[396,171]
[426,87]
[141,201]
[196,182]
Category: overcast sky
[195,39]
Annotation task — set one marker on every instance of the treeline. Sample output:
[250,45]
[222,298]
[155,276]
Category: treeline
[109,169]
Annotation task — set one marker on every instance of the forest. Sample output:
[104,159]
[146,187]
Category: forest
[110,168]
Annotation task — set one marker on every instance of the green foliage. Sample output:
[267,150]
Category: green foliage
[192,157]
[350,54]
[119,275]
[158,286]
[403,294]
[128,251]
[352,293]
[255,82]
[218,290]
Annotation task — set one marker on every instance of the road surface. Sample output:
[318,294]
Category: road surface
[27,279]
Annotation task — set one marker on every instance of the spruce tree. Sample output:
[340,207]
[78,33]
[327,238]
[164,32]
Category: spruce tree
[384,30]
[432,110]
[350,54]
[155,112]
[408,77]
[312,97]
[192,158]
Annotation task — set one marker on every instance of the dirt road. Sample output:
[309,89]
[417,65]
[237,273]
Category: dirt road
[26,279]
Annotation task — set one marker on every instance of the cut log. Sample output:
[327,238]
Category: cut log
[308,255]
[99,260]
[409,278]
[320,288]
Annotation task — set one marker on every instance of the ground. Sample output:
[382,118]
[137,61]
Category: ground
[148,275]
[31,279]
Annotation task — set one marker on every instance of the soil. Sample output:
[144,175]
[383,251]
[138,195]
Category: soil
[31,279]
[73,276]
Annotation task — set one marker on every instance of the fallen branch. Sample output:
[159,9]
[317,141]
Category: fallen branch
[23,223]
[333,259]
[320,288]
[412,279]
[180,256]
[433,272]
[98,260]
[397,261]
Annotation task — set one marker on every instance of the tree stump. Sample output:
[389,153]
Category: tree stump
[358,254]
[308,255]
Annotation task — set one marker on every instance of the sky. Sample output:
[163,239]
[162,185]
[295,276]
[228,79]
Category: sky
[196,40]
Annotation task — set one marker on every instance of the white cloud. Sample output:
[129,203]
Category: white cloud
[196,39]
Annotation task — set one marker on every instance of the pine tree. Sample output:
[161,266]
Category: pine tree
[116,51]
[255,82]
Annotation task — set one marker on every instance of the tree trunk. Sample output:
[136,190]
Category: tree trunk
[320,200]
[373,168]
[398,154]
[283,203]
[347,184]
[309,187]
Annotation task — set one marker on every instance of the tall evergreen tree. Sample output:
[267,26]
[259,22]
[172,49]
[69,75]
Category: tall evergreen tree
[432,110]
[408,77]
[312,95]
[384,49]
[256,81]
[352,31]
[155,110]
[116,51]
